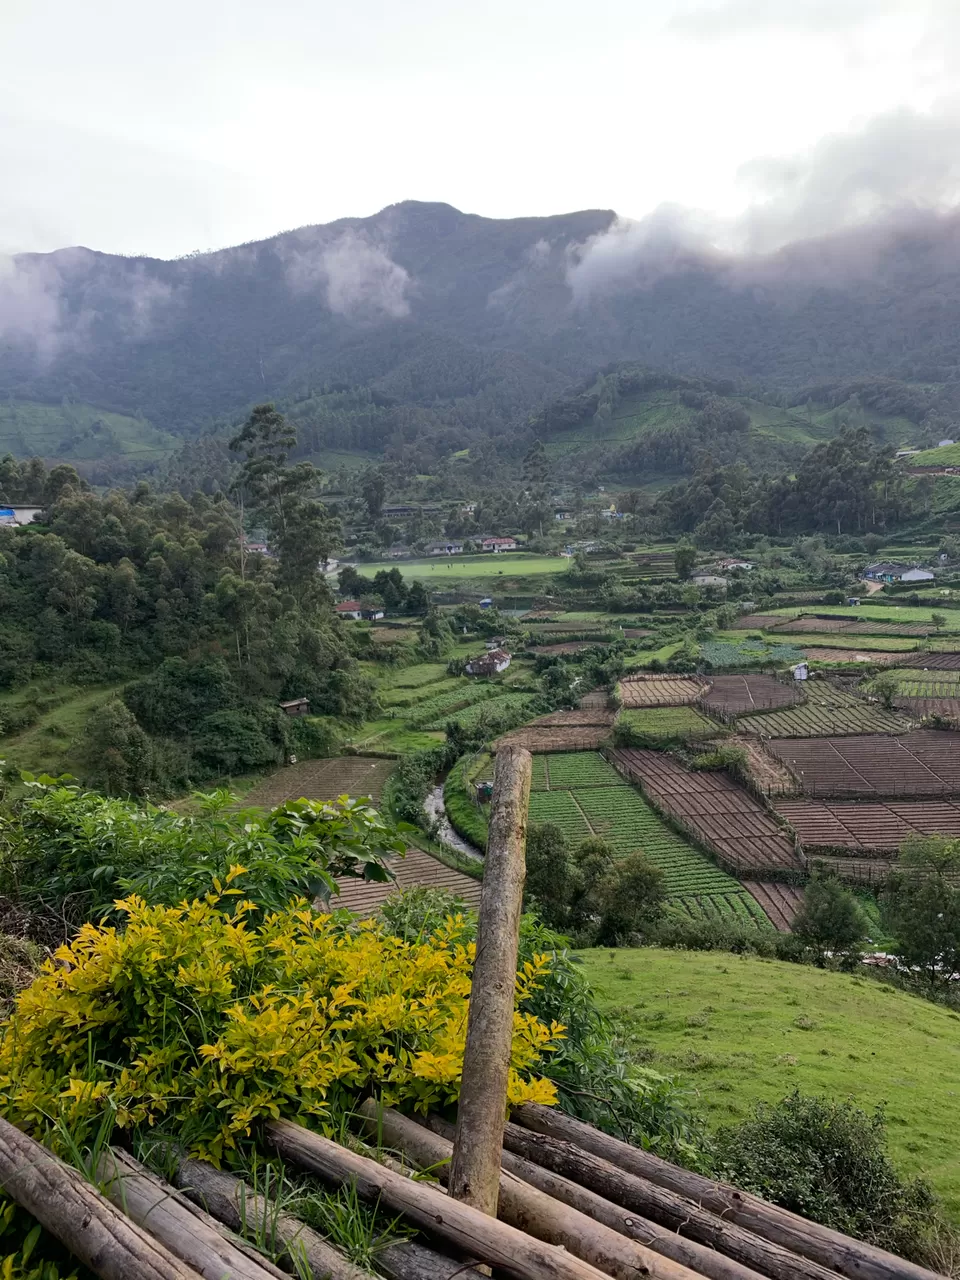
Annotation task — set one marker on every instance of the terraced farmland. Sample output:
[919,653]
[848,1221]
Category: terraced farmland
[660,691]
[730,696]
[780,902]
[930,660]
[599,802]
[728,908]
[669,724]
[322,780]
[923,763]
[487,709]
[868,828]
[828,711]
[723,816]
[808,623]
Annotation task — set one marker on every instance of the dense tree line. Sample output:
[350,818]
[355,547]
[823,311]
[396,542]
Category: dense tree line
[137,584]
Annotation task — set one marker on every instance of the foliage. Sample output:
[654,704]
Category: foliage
[828,1161]
[206,1017]
[590,1066]
[36,1254]
[921,901]
[466,816]
[830,918]
[72,853]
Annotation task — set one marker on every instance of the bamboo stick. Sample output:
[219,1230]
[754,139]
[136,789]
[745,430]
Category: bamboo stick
[688,1253]
[530,1210]
[475,1172]
[852,1258]
[84,1221]
[473,1232]
[186,1232]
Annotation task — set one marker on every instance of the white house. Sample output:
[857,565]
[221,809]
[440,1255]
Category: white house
[917,575]
[445,548]
[498,544]
[727,565]
[707,580]
[349,609]
[896,573]
[372,615]
[562,514]
[18,515]
[488,664]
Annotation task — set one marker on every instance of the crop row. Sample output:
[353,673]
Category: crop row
[465,695]
[828,711]
[579,769]
[668,724]
[735,907]
[495,712]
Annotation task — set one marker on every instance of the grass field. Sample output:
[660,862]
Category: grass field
[669,724]
[54,743]
[78,432]
[738,1030]
[946,456]
[452,568]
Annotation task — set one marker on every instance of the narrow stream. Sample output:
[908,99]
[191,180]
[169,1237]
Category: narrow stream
[435,811]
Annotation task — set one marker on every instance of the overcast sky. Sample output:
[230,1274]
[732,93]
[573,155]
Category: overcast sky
[163,128]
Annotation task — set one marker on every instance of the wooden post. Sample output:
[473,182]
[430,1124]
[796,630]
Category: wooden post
[475,1170]
[87,1224]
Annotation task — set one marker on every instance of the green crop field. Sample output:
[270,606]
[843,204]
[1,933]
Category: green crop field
[451,568]
[738,907]
[947,455]
[79,432]
[560,808]
[738,1030]
[721,654]
[578,769]
[472,716]
[863,644]
[907,613]
[669,724]
[826,711]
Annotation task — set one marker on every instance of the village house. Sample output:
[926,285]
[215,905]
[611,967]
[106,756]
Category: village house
[372,615]
[488,664]
[349,609]
[896,573]
[449,548]
[725,566]
[19,515]
[562,514]
[498,544]
[397,551]
[296,707]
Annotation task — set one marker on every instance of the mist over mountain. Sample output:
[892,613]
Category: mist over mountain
[471,317]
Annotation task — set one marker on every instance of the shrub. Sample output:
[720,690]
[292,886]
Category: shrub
[219,1022]
[466,816]
[828,1161]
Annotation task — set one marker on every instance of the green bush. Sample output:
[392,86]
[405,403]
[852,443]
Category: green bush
[828,1161]
[466,816]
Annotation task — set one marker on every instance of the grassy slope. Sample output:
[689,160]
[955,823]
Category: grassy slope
[55,742]
[727,1026]
[28,428]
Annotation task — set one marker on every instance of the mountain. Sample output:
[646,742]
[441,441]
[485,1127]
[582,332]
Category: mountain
[473,322]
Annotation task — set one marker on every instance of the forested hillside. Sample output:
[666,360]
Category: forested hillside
[423,325]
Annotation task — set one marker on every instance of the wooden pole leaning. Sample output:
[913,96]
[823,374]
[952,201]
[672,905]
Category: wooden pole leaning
[475,1169]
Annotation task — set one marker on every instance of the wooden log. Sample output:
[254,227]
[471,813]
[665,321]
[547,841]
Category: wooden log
[238,1207]
[186,1232]
[852,1258]
[474,1233]
[676,1212]
[530,1210]
[475,1173]
[688,1253]
[85,1222]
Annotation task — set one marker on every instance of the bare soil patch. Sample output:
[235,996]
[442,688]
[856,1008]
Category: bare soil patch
[661,691]
[323,780]
[781,902]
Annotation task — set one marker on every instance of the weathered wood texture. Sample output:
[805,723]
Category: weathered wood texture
[474,1233]
[530,1210]
[688,1253]
[832,1249]
[667,1208]
[85,1222]
[475,1173]
[179,1225]
[237,1206]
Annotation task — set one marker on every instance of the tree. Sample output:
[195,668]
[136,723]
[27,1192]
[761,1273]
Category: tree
[629,898]
[922,905]
[939,620]
[119,752]
[551,876]
[373,486]
[266,441]
[350,583]
[885,686]
[684,558]
[830,918]
[418,601]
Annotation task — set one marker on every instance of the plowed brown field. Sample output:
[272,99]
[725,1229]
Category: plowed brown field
[323,780]
[868,827]
[660,691]
[781,902]
[923,763]
[737,695]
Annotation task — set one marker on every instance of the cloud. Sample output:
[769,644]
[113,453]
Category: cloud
[358,277]
[635,254]
[537,258]
[729,18]
[30,310]
[899,163]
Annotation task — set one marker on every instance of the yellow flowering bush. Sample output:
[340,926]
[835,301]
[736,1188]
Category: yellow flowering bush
[217,1021]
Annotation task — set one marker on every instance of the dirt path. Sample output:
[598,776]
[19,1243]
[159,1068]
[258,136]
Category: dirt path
[766,770]
[872,587]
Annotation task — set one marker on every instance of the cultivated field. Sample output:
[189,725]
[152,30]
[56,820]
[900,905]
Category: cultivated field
[865,827]
[414,871]
[723,816]
[923,763]
[924,708]
[669,724]
[737,1030]
[884,657]
[660,691]
[583,795]
[930,661]
[807,624]
[730,696]
[827,711]
[780,902]
[727,908]
[322,780]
